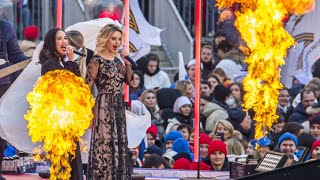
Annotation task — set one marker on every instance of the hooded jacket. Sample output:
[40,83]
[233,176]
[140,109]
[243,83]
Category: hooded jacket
[213,112]
[299,114]
[157,79]
[28,47]
[231,63]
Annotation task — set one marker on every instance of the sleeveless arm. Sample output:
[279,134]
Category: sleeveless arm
[92,71]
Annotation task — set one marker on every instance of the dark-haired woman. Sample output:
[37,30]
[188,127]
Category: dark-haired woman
[57,54]
[137,86]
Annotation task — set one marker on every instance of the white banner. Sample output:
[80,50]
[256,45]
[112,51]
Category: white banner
[141,34]
[306,31]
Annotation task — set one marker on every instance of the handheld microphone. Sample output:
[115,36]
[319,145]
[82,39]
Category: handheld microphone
[132,62]
[79,53]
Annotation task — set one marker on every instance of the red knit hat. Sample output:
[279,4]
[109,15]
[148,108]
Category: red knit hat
[181,163]
[31,33]
[314,145]
[107,14]
[205,139]
[153,130]
[217,145]
[203,166]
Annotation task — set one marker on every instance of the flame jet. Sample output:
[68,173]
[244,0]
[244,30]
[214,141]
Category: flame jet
[60,112]
[260,25]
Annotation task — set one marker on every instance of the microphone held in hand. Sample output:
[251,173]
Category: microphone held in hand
[132,62]
[79,53]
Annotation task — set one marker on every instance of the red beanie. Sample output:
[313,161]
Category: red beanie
[314,145]
[181,163]
[217,145]
[31,33]
[203,166]
[205,139]
[107,14]
[153,130]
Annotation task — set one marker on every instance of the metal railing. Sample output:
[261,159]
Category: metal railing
[186,9]
[175,37]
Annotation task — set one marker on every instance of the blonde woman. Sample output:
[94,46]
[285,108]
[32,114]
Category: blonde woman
[76,40]
[222,127]
[234,147]
[149,99]
[185,88]
[109,154]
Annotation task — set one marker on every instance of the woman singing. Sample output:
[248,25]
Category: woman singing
[109,155]
[58,54]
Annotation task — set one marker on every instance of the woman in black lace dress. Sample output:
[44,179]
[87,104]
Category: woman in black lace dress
[109,155]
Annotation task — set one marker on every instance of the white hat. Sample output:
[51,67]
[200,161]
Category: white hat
[181,101]
[169,154]
[193,62]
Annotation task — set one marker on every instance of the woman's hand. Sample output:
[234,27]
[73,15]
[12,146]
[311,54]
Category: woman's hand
[123,55]
[70,53]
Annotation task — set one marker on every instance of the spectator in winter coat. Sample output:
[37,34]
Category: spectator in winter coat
[28,45]
[284,100]
[213,112]
[181,145]
[315,150]
[153,76]
[217,154]
[315,126]
[148,98]
[171,137]
[207,60]
[137,86]
[288,143]
[136,162]
[204,142]
[213,80]
[183,114]
[242,122]
[154,161]
[185,88]
[231,60]
[222,127]
[299,114]
[185,129]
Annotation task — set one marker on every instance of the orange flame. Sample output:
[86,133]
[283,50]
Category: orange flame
[60,112]
[260,25]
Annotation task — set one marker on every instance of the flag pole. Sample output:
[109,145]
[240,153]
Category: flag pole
[197,84]
[126,41]
[59,14]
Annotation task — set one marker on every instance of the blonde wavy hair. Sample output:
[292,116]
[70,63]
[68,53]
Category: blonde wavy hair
[234,147]
[145,94]
[104,36]
[226,124]
[182,86]
[76,39]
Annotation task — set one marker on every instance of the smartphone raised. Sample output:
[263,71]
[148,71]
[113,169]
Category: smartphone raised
[221,135]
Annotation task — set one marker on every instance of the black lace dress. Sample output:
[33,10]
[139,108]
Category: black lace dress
[108,155]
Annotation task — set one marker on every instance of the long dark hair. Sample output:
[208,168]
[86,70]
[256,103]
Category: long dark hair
[49,50]
[140,74]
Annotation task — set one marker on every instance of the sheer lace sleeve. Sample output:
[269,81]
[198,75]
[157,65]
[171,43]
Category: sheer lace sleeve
[129,74]
[92,71]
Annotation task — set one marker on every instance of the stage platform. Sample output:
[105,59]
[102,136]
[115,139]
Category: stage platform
[150,174]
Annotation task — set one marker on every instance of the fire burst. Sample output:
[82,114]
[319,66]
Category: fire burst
[60,112]
[260,25]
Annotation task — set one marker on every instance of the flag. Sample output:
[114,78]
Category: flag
[141,34]
[306,31]
[182,70]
